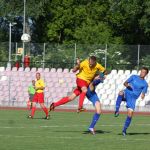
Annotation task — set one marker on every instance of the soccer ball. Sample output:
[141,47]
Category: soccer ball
[26,37]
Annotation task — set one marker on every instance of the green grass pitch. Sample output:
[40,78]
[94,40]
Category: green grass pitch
[67,131]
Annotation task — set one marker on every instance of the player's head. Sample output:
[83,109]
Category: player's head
[38,75]
[33,82]
[92,61]
[144,72]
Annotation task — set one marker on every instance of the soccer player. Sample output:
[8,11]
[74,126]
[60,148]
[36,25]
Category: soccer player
[31,91]
[136,85]
[92,96]
[87,71]
[39,96]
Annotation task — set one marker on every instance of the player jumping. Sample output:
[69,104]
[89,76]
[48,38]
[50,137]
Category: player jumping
[87,71]
[136,85]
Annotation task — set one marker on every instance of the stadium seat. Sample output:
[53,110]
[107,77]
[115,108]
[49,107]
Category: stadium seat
[134,72]
[46,70]
[21,69]
[53,70]
[114,72]
[27,69]
[2,69]
[127,72]
[33,70]
[59,70]
[14,69]
[65,70]
[40,70]
[120,72]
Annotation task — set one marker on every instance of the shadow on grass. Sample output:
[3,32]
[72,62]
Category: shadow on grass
[97,132]
[142,133]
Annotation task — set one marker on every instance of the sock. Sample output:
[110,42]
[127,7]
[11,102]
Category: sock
[94,120]
[81,99]
[118,102]
[62,101]
[45,110]
[127,123]
[33,111]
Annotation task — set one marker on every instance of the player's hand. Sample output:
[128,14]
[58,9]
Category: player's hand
[78,61]
[142,96]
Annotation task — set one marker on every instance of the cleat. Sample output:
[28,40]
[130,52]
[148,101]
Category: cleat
[116,114]
[52,107]
[92,131]
[47,118]
[30,117]
[81,109]
[124,133]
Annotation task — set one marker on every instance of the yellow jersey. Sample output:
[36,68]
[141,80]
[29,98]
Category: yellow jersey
[87,73]
[38,84]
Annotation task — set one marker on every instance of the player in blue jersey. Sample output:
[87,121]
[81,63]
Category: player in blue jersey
[92,96]
[136,85]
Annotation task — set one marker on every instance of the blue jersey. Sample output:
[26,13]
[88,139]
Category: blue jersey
[138,85]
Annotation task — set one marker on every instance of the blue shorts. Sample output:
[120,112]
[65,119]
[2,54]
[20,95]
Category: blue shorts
[92,96]
[130,99]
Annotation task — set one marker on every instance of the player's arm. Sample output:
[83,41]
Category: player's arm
[144,91]
[127,83]
[102,69]
[77,66]
[42,86]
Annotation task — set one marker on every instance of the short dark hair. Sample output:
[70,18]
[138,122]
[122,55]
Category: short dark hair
[93,58]
[145,68]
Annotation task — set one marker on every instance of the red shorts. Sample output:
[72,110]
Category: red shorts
[80,83]
[38,98]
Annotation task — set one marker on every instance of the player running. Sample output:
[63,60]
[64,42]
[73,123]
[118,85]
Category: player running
[87,71]
[92,96]
[39,96]
[136,85]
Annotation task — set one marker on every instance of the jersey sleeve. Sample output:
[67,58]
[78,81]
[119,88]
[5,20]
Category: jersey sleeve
[145,89]
[100,67]
[130,79]
[82,64]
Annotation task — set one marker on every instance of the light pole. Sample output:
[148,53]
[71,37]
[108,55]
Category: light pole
[24,25]
[9,60]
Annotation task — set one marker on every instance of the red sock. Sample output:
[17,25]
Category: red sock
[81,99]
[33,111]
[45,110]
[62,101]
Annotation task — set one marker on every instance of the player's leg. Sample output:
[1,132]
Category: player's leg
[82,97]
[34,101]
[45,110]
[96,117]
[41,102]
[32,110]
[82,85]
[118,103]
[127,121]
[65,100]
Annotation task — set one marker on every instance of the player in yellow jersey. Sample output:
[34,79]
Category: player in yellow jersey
[39,96]
[87,71]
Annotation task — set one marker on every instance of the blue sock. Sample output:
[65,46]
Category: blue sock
[94,120]
[118,102]
[127,123]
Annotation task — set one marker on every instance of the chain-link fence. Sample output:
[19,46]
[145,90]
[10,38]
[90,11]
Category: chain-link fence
[46,55]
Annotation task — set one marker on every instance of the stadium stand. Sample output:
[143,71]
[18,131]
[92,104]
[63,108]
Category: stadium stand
[59,83]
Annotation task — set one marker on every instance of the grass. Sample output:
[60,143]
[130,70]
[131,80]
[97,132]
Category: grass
[67,131]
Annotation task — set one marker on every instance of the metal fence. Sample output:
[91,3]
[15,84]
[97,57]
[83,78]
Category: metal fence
[64,56]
